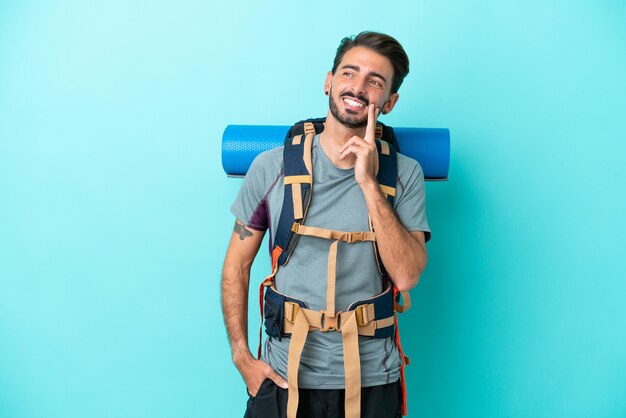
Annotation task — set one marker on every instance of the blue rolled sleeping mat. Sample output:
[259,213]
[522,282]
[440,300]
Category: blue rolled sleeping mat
[242,143]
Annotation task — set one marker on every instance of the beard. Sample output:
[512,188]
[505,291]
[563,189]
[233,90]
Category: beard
[349,119]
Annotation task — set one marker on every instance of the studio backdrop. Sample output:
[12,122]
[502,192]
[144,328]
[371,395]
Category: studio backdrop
[115,210]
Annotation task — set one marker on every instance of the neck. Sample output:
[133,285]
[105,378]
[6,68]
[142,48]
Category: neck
[334,137]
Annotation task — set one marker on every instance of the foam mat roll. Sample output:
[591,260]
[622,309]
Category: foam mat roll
[242,143]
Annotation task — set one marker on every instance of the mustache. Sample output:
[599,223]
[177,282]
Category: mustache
[356,96]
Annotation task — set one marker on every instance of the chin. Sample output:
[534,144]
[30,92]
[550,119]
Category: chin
[347,117]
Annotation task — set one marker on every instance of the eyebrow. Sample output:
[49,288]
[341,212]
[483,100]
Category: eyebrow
[357,68]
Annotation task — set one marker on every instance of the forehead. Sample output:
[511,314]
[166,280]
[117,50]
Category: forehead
[367,60]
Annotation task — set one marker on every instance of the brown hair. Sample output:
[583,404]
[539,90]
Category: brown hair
[383,44]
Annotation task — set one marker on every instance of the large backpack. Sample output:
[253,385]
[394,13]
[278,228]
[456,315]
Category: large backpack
[284,315]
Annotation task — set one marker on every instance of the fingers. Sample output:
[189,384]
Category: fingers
[353,141]
[347,151]
[276,378]
[372,115]
[354,146]
[346,146]
[357,146]
[371,122]
[257,373]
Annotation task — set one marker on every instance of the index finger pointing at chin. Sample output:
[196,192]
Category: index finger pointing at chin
[372,113]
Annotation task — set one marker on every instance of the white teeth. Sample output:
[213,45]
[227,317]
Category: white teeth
[353,102]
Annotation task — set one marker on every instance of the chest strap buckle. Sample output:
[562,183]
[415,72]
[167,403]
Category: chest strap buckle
[330,323]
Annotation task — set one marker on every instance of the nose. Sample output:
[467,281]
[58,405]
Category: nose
[361,85]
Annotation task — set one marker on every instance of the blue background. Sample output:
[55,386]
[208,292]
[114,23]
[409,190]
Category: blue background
[114,210]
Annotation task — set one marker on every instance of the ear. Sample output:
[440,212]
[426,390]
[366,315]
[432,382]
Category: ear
[329,81]
[390,103]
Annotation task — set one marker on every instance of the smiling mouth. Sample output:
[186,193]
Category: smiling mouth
[353,103]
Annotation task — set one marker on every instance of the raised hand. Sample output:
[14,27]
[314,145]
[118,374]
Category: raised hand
[364,149]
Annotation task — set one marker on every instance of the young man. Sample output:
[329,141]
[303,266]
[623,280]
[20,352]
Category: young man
[367,72]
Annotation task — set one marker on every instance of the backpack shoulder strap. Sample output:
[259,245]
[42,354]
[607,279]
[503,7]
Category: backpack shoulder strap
[299,127]
[386,177]
[298,184]
[387,169]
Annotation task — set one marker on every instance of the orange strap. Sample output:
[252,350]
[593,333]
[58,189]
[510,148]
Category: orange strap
[404,363]
[261,294]
[403,359]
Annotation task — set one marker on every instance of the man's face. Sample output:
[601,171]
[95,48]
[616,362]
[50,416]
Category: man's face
[362,77]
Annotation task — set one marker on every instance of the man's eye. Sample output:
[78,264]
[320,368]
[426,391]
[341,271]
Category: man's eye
[347,73]
[375,83]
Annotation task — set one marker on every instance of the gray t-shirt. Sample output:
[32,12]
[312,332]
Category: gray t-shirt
[337,203]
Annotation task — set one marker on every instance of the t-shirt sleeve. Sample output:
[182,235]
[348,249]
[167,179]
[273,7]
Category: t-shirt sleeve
[250,205]
[411,202]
